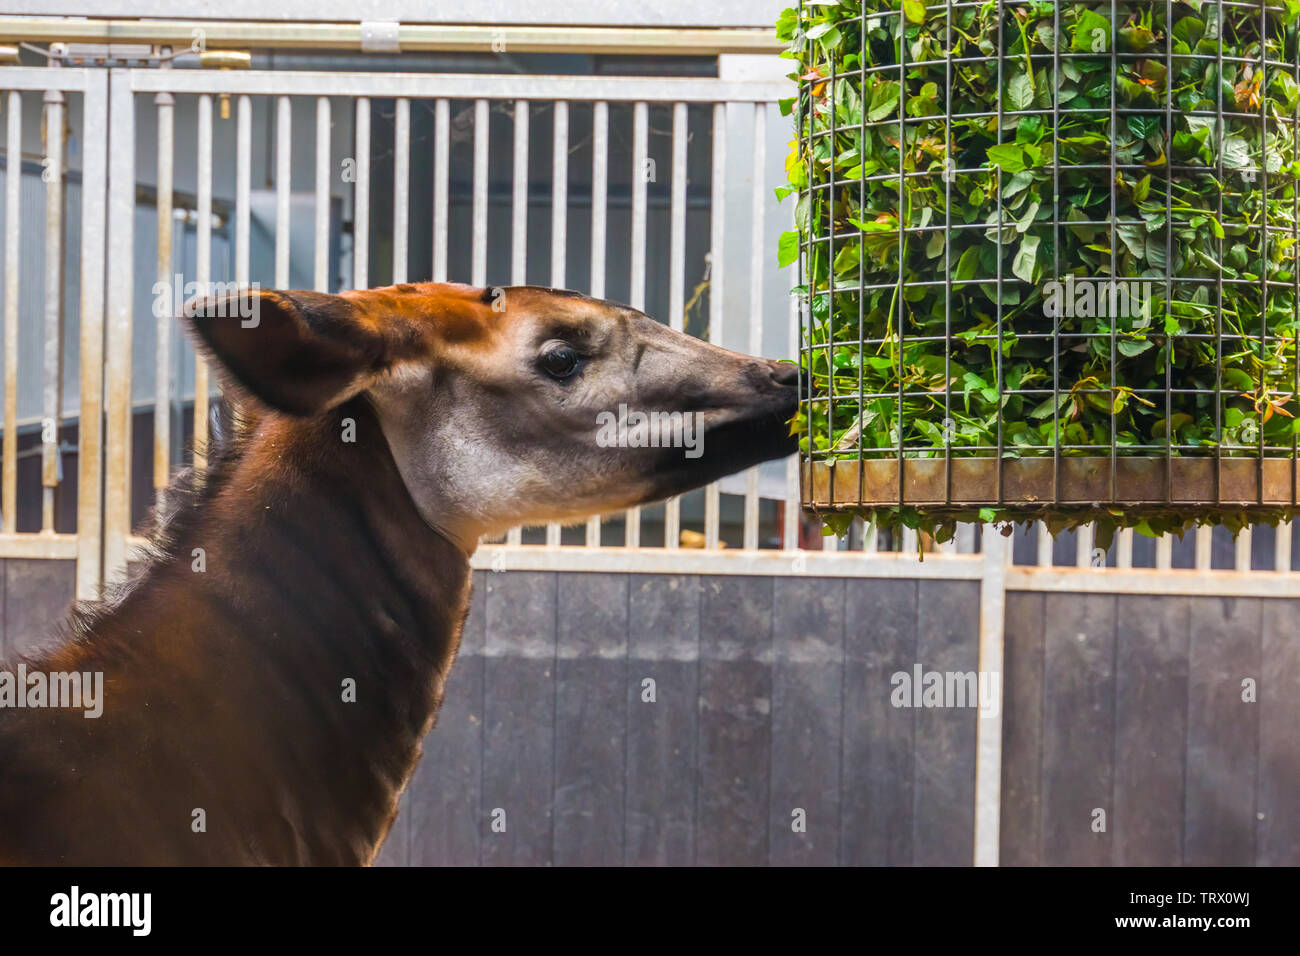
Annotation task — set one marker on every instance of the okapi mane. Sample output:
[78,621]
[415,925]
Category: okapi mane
[184,502]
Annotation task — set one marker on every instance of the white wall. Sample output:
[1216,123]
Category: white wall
[732,13]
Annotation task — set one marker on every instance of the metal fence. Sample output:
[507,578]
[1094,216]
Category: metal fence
[468,117]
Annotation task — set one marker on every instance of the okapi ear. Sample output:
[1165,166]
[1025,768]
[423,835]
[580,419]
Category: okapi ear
[299,352]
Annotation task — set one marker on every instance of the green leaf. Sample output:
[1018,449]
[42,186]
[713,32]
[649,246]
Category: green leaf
[1143,125]
[1009,156]
[1134,238]
[787,249]
[1027,220]
[1020,92]
[915,10]
[1132,347]
[1026,258]
[1239,378]
[967,265]
[1236,152]
[1091,33]
[934,248]
[1189,30]
[884,98]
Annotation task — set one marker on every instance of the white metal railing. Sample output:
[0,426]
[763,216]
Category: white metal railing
[22,88]
[177,111]
[521,95]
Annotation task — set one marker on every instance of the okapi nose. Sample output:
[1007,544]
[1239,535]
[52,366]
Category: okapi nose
[785,373]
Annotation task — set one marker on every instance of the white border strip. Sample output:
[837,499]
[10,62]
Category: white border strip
[652,89]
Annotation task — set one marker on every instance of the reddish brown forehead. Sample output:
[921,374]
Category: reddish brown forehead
[463,316]
[436,312]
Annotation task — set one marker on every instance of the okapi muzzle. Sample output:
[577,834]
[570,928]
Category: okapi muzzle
[271,668]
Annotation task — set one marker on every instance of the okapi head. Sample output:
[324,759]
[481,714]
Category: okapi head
[510,406]
[281,654]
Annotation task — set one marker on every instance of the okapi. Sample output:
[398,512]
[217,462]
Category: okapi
[381,434]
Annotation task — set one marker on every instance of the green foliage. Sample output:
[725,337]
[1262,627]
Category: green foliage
[1015,152]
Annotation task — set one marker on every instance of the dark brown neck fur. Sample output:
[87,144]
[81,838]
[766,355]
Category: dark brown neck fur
[223,690]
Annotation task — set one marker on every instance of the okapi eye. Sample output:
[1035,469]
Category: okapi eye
[560,362]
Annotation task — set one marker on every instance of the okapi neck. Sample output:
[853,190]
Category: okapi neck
[280,669]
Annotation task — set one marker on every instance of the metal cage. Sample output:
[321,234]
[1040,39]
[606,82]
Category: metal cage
[945,233]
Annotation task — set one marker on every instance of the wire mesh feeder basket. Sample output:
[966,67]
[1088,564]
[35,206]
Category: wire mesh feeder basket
[1047,260]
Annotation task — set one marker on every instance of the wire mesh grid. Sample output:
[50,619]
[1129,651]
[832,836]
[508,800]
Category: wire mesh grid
[1047,253]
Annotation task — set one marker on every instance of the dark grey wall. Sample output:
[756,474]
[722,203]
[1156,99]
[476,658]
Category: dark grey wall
[773,694]
[34,596]
[1133,704]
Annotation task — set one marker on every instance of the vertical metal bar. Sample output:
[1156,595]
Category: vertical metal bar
[323,158]
[1083,541]
[560,196]
[1124,549]
[1263,270]
[870,538]
[90,448]
[283,185]
[478,268]
[965,538]
[1204,547]
[13,216]
[361,199]
[121,309]
[831,133]
[52,371]
[793,506]
[519,230]
[949,429]
[1241,560]
[519,200]
[1295,318]
[997,349]
[441,167]
[202,271]
[243,188]
[1169,255]
[1164,552]
[988,726]
[1056,268]
[640,151]
[717,233]
[676,281]
[1219,403]
[1282,547]
[559,236]
[758,251]
[599,195]
[803,143]
[599,199]
[401,188]
[162,399]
